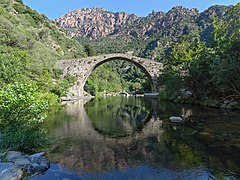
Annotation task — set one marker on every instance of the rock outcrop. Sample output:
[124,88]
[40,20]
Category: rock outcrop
[14,164]
[96,23]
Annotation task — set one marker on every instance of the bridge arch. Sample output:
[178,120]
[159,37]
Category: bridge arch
[124,59]
[82,68]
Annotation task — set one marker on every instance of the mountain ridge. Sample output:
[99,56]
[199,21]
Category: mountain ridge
[150,37]
[96,23]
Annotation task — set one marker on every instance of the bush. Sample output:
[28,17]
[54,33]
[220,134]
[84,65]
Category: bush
[21,114]
[13,64]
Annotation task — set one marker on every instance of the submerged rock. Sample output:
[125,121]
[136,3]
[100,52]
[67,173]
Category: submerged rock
[205,137]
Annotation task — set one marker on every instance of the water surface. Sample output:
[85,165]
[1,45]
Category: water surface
[132,138]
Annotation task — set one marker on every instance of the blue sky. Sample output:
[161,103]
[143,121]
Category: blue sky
[55,8]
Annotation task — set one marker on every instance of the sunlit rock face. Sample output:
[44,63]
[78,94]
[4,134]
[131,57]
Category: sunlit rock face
[94,23]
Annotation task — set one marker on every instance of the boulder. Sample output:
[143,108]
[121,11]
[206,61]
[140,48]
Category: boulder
[186,93]
[23,163]
[223,106]
[36,157]
[226,101]
[229,104]
[175,119]
[19,163]
[9,172]
[12,155]
[40,164]
[40,167]
[233,104]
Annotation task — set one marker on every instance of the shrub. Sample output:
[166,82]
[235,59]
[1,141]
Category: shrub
[21,116]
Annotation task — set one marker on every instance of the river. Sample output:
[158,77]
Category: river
[133,138]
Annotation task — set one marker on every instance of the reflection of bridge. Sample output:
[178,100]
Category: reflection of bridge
[82,68]
[81,124]
[84,149]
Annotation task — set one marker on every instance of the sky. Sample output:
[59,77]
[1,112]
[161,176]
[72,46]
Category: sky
[55,8]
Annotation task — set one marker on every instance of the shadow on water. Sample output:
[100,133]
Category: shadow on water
[128,138]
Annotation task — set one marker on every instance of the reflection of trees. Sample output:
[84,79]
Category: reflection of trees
[208,137]
[185,150]
[158,142]
[120,116]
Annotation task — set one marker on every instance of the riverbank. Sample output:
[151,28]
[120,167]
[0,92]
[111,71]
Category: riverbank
[222,104]
[186,96]
[15,165]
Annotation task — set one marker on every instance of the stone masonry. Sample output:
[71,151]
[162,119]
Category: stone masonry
[83,67]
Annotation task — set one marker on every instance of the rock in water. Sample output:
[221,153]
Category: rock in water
[175,119]
[39,163]
[9,172]
[19,163]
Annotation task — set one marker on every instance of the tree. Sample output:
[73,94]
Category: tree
[178,72]
[90,50]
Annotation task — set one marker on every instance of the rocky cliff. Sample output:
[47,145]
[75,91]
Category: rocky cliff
[150,36]
[94,22]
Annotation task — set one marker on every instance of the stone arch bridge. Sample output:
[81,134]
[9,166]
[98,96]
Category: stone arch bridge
[83,67]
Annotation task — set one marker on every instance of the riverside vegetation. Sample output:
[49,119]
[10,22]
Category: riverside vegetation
[211,72]
[30,45]
[30,86]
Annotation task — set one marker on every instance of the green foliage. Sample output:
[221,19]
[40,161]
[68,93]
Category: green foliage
[22,113]
[90,51]
[103,79]
[30,46]
[34,33]
[172,84]
[210,72]
[13,64]
[116,76]
[175,75]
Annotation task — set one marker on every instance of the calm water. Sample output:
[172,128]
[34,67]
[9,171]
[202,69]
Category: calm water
[132,138]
